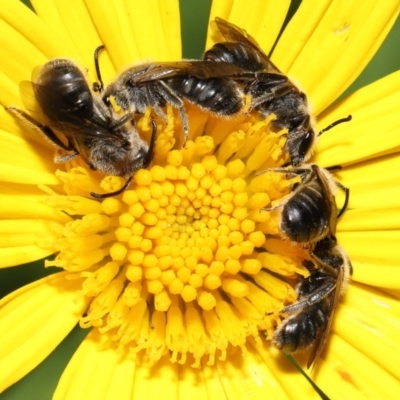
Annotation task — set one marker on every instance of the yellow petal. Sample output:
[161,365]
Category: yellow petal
[129,37]
[374,129]
[28,191]
[47,11]
[156,28]
[110,30]
[213,384]
[297,32]
[262,20]
[168,380]
[385,276]
[353,374]
[10,256]
[378,342]
[14,126]
[383,307]
[294,383]
[332,381]
[339,47]
[22,56]
[13,206]
[24,153]
[19,232]
[372,246]
[9,173]
[34,320]
[95,373]
[371,188]
[9,93]
[82,36]
[171,29]
[370,219]
[23,162]
[252,377]
[49,42]
[189,384]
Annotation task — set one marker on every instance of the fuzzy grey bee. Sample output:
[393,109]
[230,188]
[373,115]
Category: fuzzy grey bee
[309,320]
[157,84]
[309,213]
[77,121]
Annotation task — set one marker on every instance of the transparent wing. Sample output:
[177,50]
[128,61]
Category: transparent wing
[197,68]
[333,302]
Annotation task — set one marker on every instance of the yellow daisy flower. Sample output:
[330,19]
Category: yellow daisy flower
[166,275]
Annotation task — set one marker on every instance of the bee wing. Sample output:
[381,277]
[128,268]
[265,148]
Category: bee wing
[233,33]
[334,300]
[197,68]
[29,100]
[329,185]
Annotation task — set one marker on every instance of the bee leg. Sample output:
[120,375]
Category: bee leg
[345,189]
[45,130]
[314,297]
[152,93]
[66,157]
[274,86]
[170,97]
[305,174]
[150,152]
[185,124]
[123,120]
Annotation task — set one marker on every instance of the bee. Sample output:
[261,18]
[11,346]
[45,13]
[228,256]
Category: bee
[205,84]
[309,320]
[310,211]
[271,91]
[77,122]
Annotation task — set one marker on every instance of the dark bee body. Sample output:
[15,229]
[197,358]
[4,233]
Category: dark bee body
[158,84]
[271,91]
[304,325]
[70,110]
[310,212]
[310,318]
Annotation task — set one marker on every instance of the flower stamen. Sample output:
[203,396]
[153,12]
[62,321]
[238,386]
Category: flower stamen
[187,260]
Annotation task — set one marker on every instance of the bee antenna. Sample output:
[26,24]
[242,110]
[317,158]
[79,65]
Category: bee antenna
[339,121]
[99,86]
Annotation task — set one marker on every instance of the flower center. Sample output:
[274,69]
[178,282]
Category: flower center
[187,260]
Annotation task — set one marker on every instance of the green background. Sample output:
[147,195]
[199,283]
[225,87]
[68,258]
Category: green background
[41,382]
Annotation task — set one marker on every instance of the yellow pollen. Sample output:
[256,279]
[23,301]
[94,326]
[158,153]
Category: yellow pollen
[183,261]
